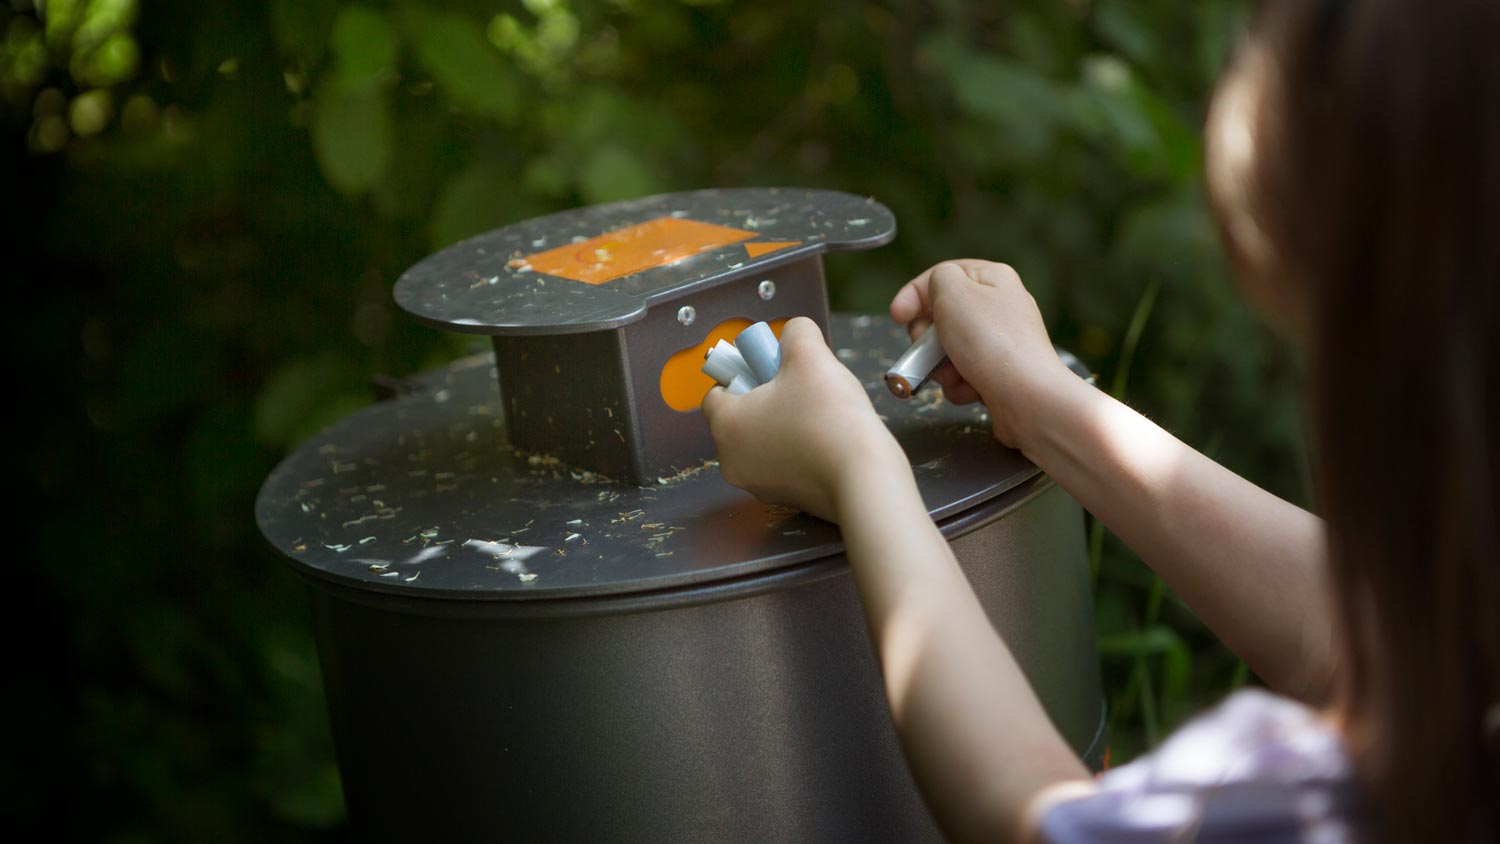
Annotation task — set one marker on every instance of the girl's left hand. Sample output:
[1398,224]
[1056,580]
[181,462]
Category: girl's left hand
[805,437]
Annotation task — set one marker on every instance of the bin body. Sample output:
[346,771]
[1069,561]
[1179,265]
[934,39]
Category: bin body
[748,711]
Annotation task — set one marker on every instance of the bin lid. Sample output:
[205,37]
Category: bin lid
[602,266]
[420,495]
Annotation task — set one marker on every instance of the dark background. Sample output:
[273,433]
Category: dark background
[206,205]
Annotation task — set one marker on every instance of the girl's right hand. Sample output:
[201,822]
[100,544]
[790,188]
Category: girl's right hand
[809,435]
[998,349]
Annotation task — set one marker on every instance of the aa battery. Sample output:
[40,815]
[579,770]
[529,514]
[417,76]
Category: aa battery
[759,348]
[910,371]
[723,364]
[740,386]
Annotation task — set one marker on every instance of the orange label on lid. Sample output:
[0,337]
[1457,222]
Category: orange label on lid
[644,246]
[755,250]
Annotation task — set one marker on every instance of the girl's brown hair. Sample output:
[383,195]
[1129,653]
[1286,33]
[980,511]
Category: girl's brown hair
[1354,160]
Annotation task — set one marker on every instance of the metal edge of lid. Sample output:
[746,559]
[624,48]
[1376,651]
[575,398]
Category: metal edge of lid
[791,576]
[319,509]
[954,472]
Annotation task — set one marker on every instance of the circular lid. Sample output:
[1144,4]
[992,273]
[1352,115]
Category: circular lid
[601,267]
[420,495]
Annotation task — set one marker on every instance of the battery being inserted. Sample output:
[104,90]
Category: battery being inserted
[723,363]
[910,371]
[760,349]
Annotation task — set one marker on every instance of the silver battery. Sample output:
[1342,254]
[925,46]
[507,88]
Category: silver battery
[910,371]
[740,386]
[760,349]
[723,362]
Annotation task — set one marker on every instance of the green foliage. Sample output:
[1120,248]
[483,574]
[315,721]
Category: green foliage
[468,70]
[352,136]
[208,204]
[364,45]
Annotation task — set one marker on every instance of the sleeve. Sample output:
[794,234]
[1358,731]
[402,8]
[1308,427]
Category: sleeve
[1257,770]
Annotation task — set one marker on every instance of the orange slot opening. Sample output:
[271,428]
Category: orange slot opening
[683,383]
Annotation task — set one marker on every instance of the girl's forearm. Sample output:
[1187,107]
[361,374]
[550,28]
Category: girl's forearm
[1251,565]
[978,741]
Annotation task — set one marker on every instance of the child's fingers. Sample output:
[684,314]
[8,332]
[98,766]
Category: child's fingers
[800,337]
[914,299]
[948,280]
[955,388]
[714,403]
[910,301]
[915,328]
[961,393]
[947,375]
[994,274]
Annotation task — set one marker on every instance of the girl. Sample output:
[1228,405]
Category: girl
[1354,164]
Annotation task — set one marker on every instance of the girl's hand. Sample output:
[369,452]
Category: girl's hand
[803,439]
[998,349]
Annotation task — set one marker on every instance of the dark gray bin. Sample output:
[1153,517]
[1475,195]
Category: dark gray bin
[745,711]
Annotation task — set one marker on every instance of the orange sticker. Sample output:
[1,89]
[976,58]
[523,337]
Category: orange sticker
[683,382]
[644,246]
[759,248]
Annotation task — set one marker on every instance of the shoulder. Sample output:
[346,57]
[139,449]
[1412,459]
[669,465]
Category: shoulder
[1258,768]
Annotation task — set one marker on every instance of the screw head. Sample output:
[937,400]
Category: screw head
[767,289]
[686,314]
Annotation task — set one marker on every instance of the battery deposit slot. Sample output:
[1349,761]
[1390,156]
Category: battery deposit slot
[683,382]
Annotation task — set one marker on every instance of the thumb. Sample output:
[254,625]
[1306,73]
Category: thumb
[801,338]
[949,281]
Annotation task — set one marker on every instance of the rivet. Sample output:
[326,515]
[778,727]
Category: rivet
[767,289]
[686,314]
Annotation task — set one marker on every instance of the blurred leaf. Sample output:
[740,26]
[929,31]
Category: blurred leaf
[110,63]
[601,112]
[303,397]
[352,135]
[1120,27]
[162,373]
[62,18]
[1032,44]
[473,74]
[612,172]
[1096,551]
[224,466]
[1024,106]
[1176,678]
[1220,25]
[301,27]
[1155,640]
[1105,107]
[546,176]
[406,193]
[1177,142]
[160,643]
[477,199]
[1114,614]
[1132,337]
[364,44]
[100,19]
[1168,235]
[311,796]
